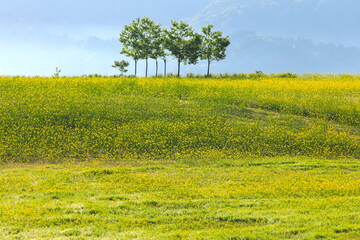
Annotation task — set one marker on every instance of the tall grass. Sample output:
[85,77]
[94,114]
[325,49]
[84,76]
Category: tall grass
[82,118]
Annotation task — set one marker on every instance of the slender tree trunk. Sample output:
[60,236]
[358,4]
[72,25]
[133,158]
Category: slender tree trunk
[146,71]
[208,70]
[157,67]
[179,61]
[135,67]
[164,67]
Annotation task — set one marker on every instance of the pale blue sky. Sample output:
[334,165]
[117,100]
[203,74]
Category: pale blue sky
[38,35]
[80,36]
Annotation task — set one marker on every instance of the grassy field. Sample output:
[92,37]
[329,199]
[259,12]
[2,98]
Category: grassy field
[188,158]
[57,119]
[277,198]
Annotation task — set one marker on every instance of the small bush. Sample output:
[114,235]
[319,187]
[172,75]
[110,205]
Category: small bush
[286,75]
[171,75]
[190,75]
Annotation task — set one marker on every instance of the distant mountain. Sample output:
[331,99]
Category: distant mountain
[251,52]
[286,35]
[320,20]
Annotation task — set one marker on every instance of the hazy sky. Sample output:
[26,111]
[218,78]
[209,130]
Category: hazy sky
[78,17]
[80,36]
[38,35]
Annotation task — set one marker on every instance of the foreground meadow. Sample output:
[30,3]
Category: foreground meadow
[168,158]
[277,198]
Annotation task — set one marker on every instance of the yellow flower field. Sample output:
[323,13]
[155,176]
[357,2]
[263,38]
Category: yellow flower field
[82,118]
[180,158]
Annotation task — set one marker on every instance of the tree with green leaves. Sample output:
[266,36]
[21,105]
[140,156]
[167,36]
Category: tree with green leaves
[151,40]
[183,43]
[57,72]
[121,66]
[213,45]
[140,40]
[130,38]
[157,45]
[162,53]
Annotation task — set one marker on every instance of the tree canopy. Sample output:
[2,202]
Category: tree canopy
[183,43]
[213,45]
[144,39]
[121,66]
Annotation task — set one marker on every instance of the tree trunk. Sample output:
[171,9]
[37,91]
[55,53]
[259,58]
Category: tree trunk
[208,70]
[179,61]
[157,67]
[146,71]
[164,67]
[135,67]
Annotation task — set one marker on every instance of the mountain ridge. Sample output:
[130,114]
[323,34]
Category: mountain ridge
[319,20]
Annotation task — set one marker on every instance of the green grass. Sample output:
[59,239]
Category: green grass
[189,158]
[271,198]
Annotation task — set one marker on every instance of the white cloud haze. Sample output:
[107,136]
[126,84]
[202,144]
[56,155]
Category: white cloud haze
[81,36]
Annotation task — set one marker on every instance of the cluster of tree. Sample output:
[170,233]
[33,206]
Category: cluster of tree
[143,39]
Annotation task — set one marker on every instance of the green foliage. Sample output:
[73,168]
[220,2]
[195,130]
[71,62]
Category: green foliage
[213,45]
[171,75]
[158,47]
[190,75]
[121,66]
[57,72]
[142,40]
[183,43]
[286,75]
[257,75]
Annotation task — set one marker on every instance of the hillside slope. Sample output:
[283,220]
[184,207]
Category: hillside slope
[47,119]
